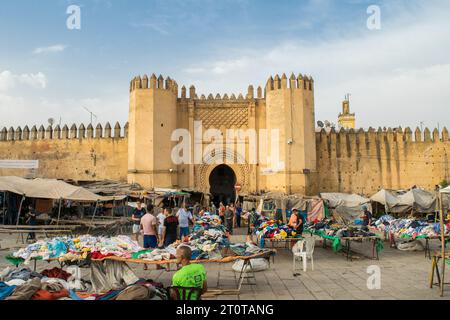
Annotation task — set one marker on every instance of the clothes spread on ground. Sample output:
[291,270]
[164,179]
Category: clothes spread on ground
[408,228]
[6,290]
[121,284]
[56,273]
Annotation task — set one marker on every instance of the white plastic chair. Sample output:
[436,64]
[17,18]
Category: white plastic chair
[304,250]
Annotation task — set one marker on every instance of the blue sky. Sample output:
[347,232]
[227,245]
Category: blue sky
[398,75]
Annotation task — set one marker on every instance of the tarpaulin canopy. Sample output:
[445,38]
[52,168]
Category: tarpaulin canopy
[445,198]
[401,202]
[47,189]
[348,206]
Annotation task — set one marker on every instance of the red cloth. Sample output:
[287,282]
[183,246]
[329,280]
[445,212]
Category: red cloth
[56,273]
[47,295]
[98,256]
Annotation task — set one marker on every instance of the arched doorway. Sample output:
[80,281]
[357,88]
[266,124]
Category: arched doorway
[222,181]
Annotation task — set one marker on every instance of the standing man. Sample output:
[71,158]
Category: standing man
[252,219]
[149,229]
[170,228]
[138,213]
[238,214]
[191,275]
[31,220]
[229,219]
[161,217]
[222,212]
[184,216]
[213,208]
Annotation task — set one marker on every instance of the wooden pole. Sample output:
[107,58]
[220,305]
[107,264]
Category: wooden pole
[20,209]
[93,215]
[59,211]
[112,210]
[441,209]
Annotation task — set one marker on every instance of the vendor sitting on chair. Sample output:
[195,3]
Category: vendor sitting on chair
[366,217]
[296,222]
[191,275]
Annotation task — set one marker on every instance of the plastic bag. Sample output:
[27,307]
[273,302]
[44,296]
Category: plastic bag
[257,265]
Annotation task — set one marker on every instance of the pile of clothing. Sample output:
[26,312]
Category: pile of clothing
[408,228]
[330,228]
[79,248]
[270,229]
[208,221]
[57,284]
[246,249]
[206,242]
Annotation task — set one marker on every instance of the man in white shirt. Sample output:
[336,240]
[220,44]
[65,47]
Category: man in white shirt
[183,219]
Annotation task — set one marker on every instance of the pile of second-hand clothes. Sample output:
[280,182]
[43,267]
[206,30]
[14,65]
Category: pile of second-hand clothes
[57,284]
[208,221]
[330,228]
[78,248]
[408,228]
[271,229]
[207,241]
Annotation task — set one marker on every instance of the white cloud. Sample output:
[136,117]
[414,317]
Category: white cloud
[396,76]
[9,80]
[50,49]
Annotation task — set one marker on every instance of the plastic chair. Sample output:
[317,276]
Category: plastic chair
[304,250]
[184,293]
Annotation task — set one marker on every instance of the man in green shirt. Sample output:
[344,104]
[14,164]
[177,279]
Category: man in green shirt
[191,275]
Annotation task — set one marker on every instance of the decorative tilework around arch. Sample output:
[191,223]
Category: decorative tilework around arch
[203,171]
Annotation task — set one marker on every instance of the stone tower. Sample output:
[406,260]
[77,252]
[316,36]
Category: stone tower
[152,119]
[346,119]
[290,109]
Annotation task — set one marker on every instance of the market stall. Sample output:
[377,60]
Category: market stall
[341,226]
[405,223]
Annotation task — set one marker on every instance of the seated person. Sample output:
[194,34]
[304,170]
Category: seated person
[366,217]
[296,222]
[191,275]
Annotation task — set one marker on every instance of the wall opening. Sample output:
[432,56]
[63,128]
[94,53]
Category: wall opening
[222,181]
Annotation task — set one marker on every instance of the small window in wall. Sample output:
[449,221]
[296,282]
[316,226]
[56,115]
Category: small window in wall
[162,125]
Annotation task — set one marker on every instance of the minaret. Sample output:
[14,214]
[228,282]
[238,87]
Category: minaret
[346,119]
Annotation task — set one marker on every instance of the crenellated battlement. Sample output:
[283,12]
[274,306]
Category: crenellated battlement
[58,133]
[301,82]
[153,82]
[392,134]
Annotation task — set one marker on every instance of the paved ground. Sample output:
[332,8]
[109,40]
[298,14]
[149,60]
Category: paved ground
[404,275]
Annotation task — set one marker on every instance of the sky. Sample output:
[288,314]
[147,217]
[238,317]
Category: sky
[397,75]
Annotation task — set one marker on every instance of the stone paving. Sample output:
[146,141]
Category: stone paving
[404,275]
